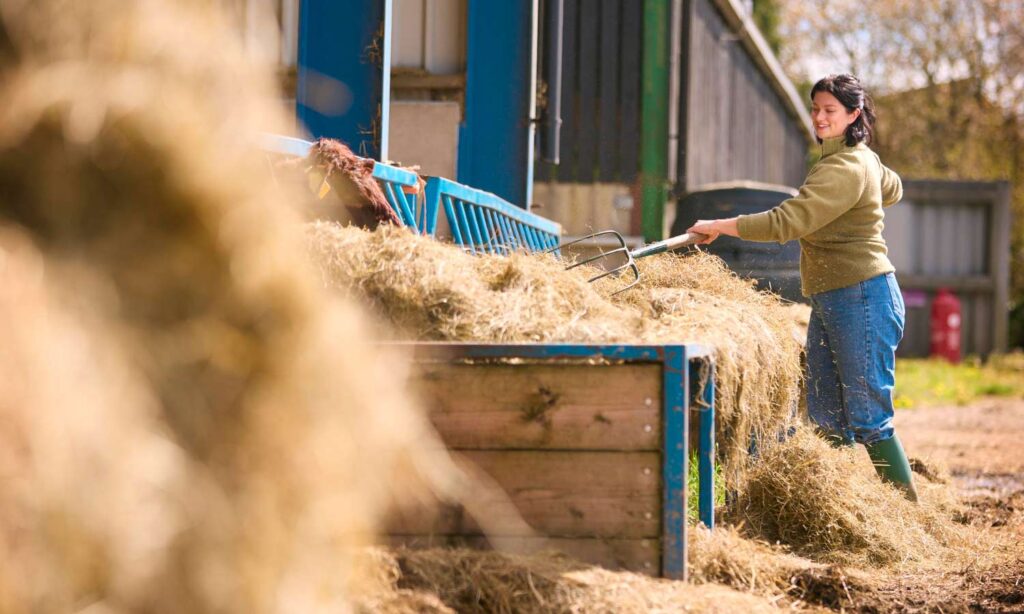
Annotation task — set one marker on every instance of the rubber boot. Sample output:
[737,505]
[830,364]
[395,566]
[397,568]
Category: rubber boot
[892,466]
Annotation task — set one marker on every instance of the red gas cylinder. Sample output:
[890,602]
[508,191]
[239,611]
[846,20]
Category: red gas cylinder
[946,326]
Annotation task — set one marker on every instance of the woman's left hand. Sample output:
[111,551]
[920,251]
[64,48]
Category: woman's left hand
[706,227]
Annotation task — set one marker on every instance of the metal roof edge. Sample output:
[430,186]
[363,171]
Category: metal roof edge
[754,41]
[742,184]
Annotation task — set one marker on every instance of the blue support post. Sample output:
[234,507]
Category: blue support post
[344,72]
[495,147]
[676,432]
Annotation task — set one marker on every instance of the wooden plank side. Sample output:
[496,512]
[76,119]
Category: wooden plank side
[567,407]
[636,555]
[557,494]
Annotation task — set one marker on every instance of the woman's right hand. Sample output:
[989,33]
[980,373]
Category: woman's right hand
[706,227]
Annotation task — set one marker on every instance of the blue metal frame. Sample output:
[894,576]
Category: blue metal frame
[409,205]
[484,223]
[680,366]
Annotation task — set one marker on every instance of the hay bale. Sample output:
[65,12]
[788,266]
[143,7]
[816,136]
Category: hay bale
[829,505]
[128,158]
[434,291]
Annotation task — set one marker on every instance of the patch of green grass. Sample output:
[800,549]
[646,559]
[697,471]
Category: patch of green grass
[923,382]
[693,489]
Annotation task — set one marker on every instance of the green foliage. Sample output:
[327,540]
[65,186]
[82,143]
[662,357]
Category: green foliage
[946,75]
[923,382]
[693,489]
[766,16]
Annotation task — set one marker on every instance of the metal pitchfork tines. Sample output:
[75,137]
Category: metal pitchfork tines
[631,256]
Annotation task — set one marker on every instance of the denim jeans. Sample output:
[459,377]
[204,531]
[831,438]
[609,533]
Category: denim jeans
[851,358]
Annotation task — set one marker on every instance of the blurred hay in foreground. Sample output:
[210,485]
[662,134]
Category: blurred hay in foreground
[434,291]
[198,427]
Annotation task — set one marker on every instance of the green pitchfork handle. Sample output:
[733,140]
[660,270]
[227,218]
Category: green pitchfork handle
[684,240]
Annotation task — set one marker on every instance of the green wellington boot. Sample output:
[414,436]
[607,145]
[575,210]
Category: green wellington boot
[892,466]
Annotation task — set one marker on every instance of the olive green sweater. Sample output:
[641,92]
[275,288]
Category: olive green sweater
[837,216]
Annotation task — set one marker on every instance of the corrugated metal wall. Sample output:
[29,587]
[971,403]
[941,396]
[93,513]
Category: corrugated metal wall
[956,235]
[601,60]
[736,127]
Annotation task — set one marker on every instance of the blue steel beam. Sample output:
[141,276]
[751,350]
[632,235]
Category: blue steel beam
[675,458]
[494,139]
[344,72]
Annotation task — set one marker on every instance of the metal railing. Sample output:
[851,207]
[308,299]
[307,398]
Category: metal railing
[480,222]
[402,189]
[484,223]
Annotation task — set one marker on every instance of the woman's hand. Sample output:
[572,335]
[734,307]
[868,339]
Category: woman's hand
[714,228]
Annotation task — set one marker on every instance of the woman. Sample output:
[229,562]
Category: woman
[857,309]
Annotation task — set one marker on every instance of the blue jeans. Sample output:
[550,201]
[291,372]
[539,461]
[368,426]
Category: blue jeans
[851,358]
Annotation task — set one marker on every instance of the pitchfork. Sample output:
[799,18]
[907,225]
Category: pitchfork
[673,243]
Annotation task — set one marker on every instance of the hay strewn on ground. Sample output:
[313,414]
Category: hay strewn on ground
[199,426]
[829,505]
[434,291]
[474,582]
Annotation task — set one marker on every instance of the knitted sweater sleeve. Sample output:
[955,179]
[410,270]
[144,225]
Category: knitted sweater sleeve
[832,187]
[892,187]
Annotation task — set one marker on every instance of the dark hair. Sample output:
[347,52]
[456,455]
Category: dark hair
[848,91]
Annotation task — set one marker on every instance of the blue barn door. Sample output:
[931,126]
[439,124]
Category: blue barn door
[496,137]
[344,72]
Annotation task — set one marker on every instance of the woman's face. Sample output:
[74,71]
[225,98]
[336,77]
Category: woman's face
[830,117]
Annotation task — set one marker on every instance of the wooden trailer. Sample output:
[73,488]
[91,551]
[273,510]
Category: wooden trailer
[590,443]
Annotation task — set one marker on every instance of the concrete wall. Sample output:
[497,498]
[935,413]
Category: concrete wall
[425,134]
[582,208]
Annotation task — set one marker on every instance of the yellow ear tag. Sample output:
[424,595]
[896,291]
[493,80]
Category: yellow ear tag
[324,189]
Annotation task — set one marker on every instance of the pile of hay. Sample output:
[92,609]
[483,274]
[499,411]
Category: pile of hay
[829,505]
[430,290]
[190,423]
[825,504]
[474,582]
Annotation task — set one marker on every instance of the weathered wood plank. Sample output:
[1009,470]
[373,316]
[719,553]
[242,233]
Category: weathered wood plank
[637,555]
[568,407]
[558,494]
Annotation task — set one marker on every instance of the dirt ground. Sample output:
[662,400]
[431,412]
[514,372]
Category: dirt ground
[982,448]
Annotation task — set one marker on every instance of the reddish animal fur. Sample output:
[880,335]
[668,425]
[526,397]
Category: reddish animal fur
[339,164]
